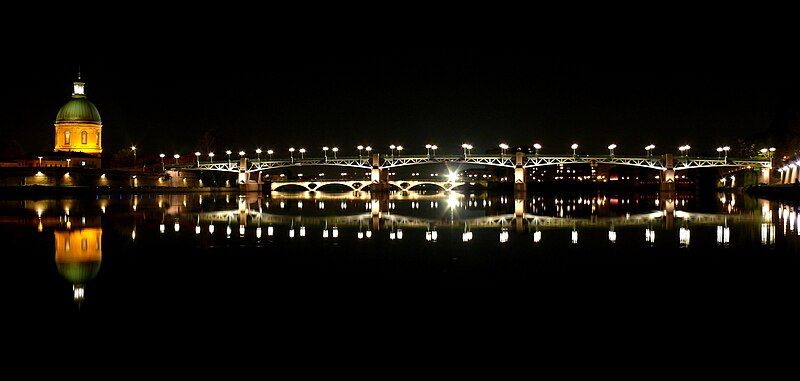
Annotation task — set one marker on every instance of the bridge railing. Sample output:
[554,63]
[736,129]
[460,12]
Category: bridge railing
[499,160]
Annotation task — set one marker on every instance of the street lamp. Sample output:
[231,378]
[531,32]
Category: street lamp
[724,149]
[335,150]
[133,148]
[611,148]
[368,149]
[270,152]
[537,147]
[325,152]
[574,146]
[359,148]
[465,146]
[176,156]
[683,149]
[68,160]
[503,148]
[162,161]
[434,148]
[40,160]
[229,155]
[198,158]
[302,153]
[649,149]
[241,154]
[399,150]
[211,157]
[258,153]
[428,147]
[392,147]
[291,154]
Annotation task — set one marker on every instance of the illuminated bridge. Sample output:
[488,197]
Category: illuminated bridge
[379,165]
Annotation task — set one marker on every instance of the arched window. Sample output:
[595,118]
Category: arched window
[66,137]
[97,138]
[84,137]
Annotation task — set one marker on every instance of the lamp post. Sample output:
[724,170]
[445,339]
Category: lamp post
[176,156]
[162,161]
[503,148]
[241,154]
[428,147]
[197,154]
[434,147]
[392,147]
[68,160]
[611,149]
[40,160]
[211,157]
[302,153]
[291,154]
[684,150]
[229,155]
[464,146]
[270,152]
[574,147]
[771,155]
[724,149]
[537,147]
[649,149]
[399,150]
[335,150]
[133,148]
[359,148]
[368,149]
[258,153]
[325,152]
[719,152]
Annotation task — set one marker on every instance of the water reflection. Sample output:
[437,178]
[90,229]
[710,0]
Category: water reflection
[393,235]
[78,256]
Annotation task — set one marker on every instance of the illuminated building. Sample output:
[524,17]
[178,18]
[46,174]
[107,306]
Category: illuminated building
[78,124]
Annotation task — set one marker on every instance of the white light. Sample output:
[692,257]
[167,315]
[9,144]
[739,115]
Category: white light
[197,229]
[335,232]
[302,231]
[369,233]
[270,231]
[177,227]
[399,233]
[291,233]
[360,235]
[537,236]
[211,229]
[258,232]
[574,236]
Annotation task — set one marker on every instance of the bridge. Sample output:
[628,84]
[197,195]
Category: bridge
[404,185]
[379,165]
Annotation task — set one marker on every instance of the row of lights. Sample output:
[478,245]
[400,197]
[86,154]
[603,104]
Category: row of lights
[432,147]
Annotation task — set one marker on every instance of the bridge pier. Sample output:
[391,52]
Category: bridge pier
[668,176]
[380,177]
[519,174]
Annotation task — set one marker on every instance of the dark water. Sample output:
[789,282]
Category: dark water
[338,262]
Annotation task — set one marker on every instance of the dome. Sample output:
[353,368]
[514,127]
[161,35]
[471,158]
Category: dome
[78,110]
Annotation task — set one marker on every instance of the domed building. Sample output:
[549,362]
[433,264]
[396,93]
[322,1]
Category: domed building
[78,124]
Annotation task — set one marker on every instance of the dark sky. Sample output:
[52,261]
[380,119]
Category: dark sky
[164,95]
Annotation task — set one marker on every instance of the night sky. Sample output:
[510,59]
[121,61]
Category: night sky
[166,96]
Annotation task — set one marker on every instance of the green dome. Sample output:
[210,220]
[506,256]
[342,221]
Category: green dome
[78,272]
[78,110]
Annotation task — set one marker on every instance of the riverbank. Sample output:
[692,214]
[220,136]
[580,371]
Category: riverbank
[57,191]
